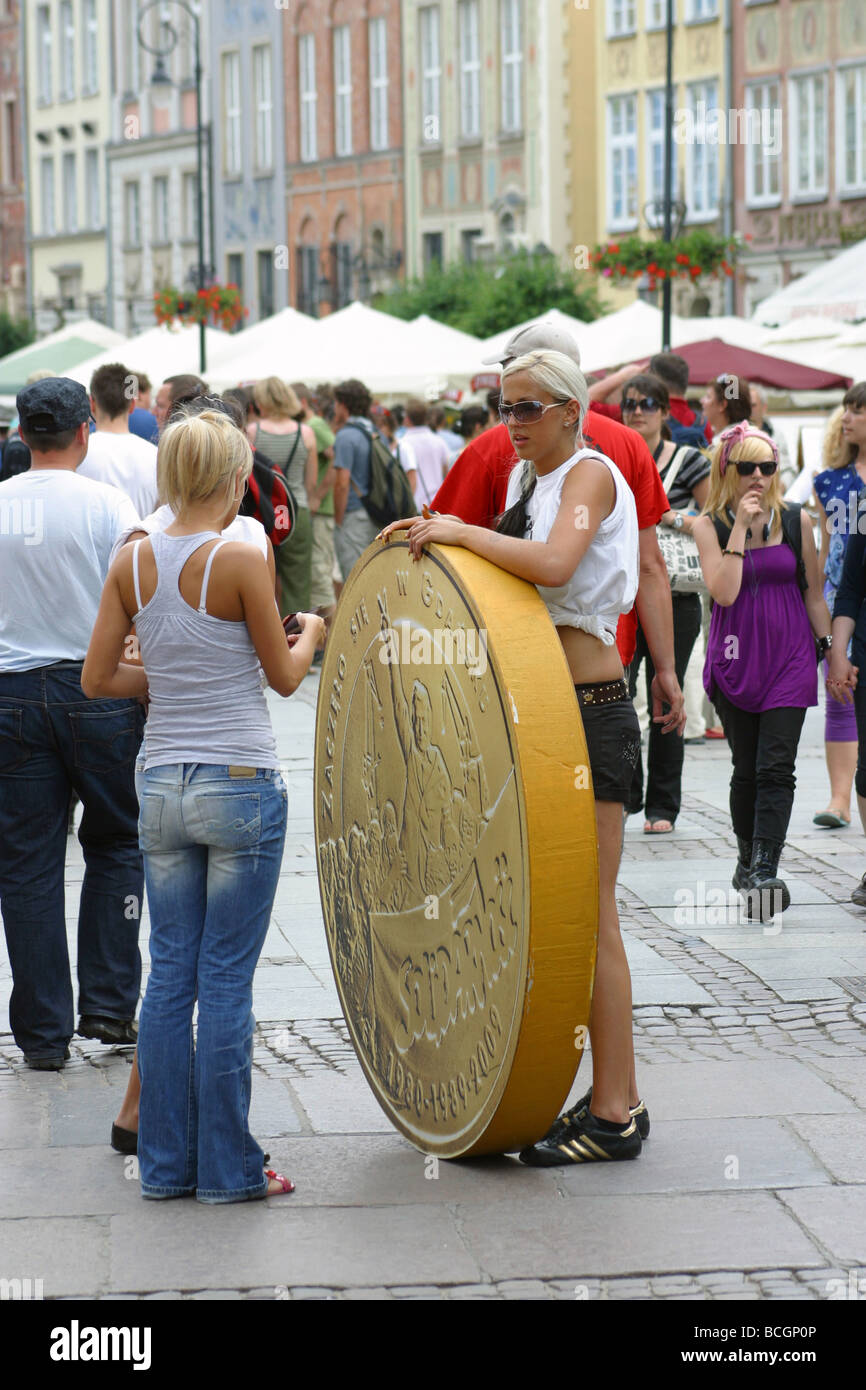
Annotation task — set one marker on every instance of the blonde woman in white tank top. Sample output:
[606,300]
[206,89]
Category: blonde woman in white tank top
[586,575]
[213,805]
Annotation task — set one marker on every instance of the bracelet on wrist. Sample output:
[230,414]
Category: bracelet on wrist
[739,553]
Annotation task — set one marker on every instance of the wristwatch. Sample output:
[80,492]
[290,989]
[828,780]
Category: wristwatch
[825,643]
[678,522]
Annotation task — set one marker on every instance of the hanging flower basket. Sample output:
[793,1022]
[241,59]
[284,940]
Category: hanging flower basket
[219,304]
[690,256]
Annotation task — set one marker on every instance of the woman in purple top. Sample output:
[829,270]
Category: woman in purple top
[761,568]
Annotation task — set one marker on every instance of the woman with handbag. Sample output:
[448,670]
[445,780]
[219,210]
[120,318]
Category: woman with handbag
[587,576]
[761,566]
[291,447]
[685,473]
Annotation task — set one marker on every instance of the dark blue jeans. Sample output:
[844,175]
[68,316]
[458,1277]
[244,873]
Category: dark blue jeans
[53,740]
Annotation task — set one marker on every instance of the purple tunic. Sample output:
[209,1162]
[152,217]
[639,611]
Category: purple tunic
[761,651]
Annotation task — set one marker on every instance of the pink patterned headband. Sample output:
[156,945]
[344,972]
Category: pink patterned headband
[735,434]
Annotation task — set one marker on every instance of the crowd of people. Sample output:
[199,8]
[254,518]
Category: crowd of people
[136,685]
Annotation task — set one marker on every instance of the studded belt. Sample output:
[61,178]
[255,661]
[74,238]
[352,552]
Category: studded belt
[601,692]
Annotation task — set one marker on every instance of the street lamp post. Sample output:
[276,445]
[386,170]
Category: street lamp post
[161,81]
[669,161]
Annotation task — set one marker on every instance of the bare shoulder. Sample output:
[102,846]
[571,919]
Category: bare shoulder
[241,553]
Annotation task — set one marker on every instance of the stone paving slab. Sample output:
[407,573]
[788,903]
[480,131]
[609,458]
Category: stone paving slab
[840,1144]
[836,1218]
[341,1104]
[192,1246]
[70,1254]
[654,1234]
[706,1090]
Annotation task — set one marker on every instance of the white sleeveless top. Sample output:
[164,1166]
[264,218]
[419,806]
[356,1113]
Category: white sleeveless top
[605,582]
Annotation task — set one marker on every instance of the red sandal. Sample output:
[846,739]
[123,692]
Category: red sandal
[286,1183]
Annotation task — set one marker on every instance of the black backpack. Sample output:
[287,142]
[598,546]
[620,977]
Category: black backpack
[389,497]
[792,535]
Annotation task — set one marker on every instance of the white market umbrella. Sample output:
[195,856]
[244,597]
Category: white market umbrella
[161,352]
[836,288]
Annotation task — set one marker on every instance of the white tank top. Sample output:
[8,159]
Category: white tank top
[605,582]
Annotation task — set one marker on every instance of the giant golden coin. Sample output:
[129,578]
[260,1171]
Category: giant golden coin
[455,834]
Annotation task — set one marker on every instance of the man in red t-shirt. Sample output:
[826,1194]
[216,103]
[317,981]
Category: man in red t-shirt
[477,482]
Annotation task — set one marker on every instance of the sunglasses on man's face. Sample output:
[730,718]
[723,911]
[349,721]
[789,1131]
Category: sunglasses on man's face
[645,404]
[746,470]
[526,412]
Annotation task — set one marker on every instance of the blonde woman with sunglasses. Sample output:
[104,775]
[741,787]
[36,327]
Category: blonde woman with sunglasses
[761,568]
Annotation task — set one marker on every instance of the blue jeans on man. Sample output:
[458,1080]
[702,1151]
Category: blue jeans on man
[54,741]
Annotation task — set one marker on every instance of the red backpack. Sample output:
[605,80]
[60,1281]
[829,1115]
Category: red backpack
[269,501]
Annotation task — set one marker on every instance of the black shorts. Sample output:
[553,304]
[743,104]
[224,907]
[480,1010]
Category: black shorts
[613,742]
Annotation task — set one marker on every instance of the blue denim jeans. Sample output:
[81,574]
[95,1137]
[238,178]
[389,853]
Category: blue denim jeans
[213,847]
[53,740]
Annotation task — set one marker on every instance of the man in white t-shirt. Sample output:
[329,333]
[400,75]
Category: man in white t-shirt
[114,455]
[423,454]
[57,530]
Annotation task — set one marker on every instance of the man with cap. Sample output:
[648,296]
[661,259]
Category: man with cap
[477,483]
[56,533]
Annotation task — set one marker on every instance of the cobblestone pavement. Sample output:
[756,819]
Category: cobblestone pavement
[749,1043]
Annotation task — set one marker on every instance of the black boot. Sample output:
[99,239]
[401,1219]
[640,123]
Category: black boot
[766,893]
[744,863]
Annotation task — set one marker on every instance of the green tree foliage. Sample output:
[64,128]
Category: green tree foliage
[483,297]
[14,334]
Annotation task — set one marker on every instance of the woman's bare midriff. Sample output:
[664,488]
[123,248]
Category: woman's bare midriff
[588,658]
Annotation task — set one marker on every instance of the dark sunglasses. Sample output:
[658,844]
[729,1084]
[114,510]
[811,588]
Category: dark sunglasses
[646,404]
[527,412]
[746,470]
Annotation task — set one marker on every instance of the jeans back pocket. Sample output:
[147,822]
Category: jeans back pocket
[229,820]
[106,738]
[14,752]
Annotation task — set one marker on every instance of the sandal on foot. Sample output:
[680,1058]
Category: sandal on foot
[832,820]
[285,1183]
[585,1141]
[662,826]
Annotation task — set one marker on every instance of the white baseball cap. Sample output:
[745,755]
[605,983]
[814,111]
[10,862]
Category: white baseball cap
[545,337]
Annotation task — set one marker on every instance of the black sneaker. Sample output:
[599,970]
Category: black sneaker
[585,1142]
[638,1112]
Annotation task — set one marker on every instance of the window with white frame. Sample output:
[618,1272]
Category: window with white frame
[307,86]
[133,47]
[89,48]
[342,91]
[70,193]
[264,104]
[851,128]
[67,51]
[763,158]
[44,56]
[378,84]
[190,206]
[622,161]
[701,9]
[655,144]
[160,209]
[132,214]
[621,18]
[512,64]
[431,74]
[231,74]
[470,69]
[46,193]
[657,13]
[702,150]
[808,135]
[92,188]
